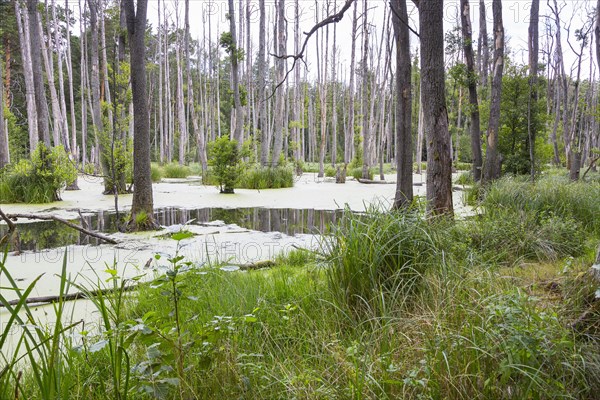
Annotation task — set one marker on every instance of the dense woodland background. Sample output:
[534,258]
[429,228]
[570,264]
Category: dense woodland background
[492,111]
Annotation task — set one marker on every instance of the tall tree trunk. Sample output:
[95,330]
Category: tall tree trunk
[439,161]
[404,152]
[365,88]
[100,135]
[493,159]
[38,79]
[483,48]
[142,203]
[237,130]
[597,34]
[281,91]
[24,38]
[262,82]
[4,152]
[69,63]
[61,86]
[467,34]
[57,118]
[533,47]
[334,96]
[349,134]
[180,105]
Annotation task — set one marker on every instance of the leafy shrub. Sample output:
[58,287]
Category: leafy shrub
[267,178]
[155,173]
[462,166]
[329,171]
[224,158]
[377,254]
[466,178]
[504,349]
[175,170]
[38,180]
[357,173]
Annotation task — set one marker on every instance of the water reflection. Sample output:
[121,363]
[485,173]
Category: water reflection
[50,234]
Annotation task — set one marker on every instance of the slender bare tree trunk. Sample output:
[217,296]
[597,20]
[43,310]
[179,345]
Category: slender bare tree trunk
[404,152]
[24,38]
[365,88]
[334,96]
[493,161]
[61,86]
[280,93]
[349,129]
[597,34]
[467,34]
[483,44]
[38,80]
[69,62]
[262,82]
[533,47]
[180,104]
[322,67]
[4,150]
[439,161]
[237,130]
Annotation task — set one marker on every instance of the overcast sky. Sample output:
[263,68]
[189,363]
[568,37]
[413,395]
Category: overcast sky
[515,15]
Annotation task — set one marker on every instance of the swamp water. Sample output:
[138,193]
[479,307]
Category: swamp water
[40,235]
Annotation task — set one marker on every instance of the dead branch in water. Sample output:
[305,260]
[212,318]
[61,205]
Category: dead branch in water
[70,296]
[14,217]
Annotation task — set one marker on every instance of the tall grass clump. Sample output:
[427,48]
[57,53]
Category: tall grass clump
[267,178]
[39,180]
[175,170]
[376,257]
[156,173]
[553,195]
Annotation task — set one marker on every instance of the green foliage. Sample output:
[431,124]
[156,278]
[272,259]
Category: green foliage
[156,173]
[224,158]
[18,139]
[577,201]
[466,178]
[39,180]
[357,173]
[330,171]
[377,256]
[175,170]
[266,178]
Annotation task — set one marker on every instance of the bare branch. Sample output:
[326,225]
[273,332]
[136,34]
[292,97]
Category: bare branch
[332,19]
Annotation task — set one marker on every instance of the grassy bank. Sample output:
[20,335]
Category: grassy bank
[391,306]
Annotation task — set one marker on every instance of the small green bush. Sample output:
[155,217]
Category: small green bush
[329,171]
[155,173]
[466,178]
[357,173]
[267,178]
[175,170]
[38,180]
[462,166]
[224,158]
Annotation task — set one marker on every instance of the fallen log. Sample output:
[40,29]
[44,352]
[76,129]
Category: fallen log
[70,296]
[97,235]
[373,182]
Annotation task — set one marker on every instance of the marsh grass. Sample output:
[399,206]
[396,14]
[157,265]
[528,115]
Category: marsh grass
[175,170]
[266,178]
[390,306]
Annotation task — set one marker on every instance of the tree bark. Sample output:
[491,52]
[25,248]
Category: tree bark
[38,79]
[280,63]
[349,134]
[404,152]
[262,83]
[597,34]
[143,202]
[237,131]
[439,161]
[24,38]
[492,162]
[483,44]
[475,127]
[533,47]
[366,134]
[4,153]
